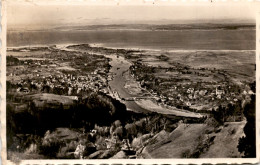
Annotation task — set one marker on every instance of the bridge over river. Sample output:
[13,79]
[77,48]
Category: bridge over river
[138,98]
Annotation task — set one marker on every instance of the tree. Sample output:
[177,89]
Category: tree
[220,114]
[247,143]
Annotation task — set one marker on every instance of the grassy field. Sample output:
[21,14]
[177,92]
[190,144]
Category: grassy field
[198,140]
[48,97]
[182,141]
[226,141]
[240,64]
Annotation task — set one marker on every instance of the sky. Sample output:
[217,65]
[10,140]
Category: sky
[53,14]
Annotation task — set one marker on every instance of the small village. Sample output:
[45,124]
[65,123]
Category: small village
[183,92]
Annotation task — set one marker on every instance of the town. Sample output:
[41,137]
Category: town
[53,73]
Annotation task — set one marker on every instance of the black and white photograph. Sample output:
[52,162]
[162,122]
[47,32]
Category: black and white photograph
[122,80]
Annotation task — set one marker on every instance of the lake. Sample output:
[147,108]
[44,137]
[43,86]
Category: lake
[161,40]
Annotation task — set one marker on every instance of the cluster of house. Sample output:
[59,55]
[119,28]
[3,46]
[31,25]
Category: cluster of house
[69,83]
[36,62]
[188,96]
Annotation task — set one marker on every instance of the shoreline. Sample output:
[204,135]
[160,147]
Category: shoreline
[103,45]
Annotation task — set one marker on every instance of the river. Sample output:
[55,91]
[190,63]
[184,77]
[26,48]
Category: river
[119,65]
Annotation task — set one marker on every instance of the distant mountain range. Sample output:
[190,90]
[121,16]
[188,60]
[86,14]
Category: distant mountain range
[188,26]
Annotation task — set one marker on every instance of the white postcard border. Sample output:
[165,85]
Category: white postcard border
[125,161]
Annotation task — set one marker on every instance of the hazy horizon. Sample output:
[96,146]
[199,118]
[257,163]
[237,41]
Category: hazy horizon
[31,16]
